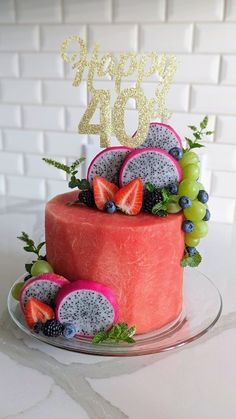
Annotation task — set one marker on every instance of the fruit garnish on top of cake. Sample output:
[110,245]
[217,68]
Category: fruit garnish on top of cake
[158,177]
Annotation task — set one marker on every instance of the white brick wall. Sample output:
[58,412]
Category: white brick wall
[40,110]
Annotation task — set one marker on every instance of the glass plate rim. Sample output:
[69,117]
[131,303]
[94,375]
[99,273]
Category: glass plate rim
[122,350]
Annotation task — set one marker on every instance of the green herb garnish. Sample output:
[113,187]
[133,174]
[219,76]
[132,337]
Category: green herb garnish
[160,208]
[120,332]
[72,172]
[191,261]
[31,248]
[198,134]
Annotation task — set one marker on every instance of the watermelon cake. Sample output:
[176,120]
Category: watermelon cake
[117,245]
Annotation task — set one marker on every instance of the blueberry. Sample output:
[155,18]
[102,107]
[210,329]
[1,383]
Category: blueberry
[38,327]
[176,152]
[188,226]
[110,207]
[185,202]
[191,250]
[173,188]
[207,215]
[203,196]
[69,330]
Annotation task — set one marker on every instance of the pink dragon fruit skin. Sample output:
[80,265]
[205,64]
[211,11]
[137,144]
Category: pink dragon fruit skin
[157,178]
[70,295]
[44,287]
[107,163]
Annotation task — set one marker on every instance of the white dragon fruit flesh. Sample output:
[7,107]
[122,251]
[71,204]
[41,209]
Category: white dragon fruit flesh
[90,306]
[107,164]
[151,165]
[43,287]
[161,136]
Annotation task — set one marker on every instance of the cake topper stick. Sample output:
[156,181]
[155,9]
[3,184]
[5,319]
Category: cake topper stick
[112,122]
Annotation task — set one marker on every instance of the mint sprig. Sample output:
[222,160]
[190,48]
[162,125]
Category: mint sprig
[191,261]
[72,172]
[120,332]
[31,247]
[198,135]
[160,208]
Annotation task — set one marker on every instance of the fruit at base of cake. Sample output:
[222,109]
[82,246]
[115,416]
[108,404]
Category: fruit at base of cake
[161,136]
[207,215]
[41,267]
[43,287]
[90,306]
[107,164]
[36,311]
[200,230]
[188,188]
[69,330]
[187,226]
[151,165]
[129,199]
[16,290]
[52,328]
[191,250]
[173,188]
[185,202]
[196,212]
[103,191]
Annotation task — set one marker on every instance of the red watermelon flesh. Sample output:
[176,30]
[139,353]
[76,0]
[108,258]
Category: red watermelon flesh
[137,257]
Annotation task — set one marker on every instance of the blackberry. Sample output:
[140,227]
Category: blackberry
[150,199]
[52,328]
[87,198]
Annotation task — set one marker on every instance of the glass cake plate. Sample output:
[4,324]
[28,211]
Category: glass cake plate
[202,306]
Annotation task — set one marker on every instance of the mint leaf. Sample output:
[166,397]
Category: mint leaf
[120,332]
[57,164]
[77,163]
[99,337]
[192,127]
[191,261]
[149,187]
[204,123]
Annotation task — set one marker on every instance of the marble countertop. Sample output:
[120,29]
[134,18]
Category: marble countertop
[197,381]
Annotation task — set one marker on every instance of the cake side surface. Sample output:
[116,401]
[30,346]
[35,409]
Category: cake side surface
[137,257]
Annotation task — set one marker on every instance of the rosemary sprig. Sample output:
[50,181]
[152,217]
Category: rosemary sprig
[72,172]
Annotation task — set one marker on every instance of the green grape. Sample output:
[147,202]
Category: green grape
[189,158]
[196,212]
[188,188]
[41,267]
[15,292]
[191,171]
[191,241]
[173,207]
[200,230]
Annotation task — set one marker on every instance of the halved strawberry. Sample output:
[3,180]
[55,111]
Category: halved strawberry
[103,191]
[36,311]
[129,198]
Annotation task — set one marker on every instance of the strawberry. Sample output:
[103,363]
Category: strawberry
[129,198]
[103,191]
[36,311]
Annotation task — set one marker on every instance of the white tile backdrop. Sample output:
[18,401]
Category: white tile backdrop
[40,110]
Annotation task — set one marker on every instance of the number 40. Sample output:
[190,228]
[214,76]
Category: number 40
[113,122]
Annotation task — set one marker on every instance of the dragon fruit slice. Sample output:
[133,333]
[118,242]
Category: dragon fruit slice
[161,136]
[107,164]
[42,287]
[150,165]
[91,306]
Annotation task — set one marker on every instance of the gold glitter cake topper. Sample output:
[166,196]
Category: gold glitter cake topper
[128,64]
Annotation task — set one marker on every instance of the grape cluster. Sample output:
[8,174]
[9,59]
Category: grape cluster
[192,199]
